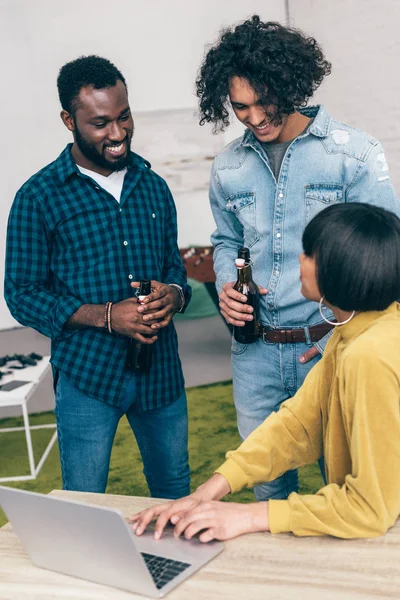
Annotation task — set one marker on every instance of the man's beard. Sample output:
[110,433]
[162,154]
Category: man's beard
[90,152]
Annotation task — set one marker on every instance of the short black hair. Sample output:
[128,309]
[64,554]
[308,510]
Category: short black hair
[83,72]
[282,65]
[357,251]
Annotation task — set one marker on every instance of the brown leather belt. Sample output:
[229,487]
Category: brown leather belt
[291,336]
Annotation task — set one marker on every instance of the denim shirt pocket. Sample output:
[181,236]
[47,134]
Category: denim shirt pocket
[243,205]
[321,195]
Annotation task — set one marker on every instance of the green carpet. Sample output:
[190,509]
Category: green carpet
[212,431]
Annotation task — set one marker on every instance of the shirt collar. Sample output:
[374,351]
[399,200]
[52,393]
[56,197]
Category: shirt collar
[66,166]
[319,127]
[363,320]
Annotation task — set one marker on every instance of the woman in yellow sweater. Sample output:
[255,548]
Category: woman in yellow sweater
[348,409]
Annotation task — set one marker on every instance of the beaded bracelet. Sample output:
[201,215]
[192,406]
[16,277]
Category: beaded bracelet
[107,317]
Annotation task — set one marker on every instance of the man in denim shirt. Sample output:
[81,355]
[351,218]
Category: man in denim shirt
[291,163]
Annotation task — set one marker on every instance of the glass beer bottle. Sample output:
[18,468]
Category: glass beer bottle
[248,334]
[140,355]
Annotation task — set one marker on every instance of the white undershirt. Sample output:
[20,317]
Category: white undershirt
[112,184]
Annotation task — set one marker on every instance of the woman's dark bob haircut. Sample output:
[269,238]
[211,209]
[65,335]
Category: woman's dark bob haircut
[357,251]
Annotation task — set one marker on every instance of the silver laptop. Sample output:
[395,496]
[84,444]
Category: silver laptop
[96,543]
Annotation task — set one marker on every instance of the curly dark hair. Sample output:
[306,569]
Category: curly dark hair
[82,72]
[282,65]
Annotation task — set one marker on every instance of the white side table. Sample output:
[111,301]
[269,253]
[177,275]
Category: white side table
[20,397]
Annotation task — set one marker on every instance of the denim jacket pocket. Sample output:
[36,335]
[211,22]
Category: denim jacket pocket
[321,195]
[243,205]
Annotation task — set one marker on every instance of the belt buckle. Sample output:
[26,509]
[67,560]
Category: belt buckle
[264,332]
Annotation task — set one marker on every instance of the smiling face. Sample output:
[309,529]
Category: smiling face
[102,126]
[248,109]
[308,278]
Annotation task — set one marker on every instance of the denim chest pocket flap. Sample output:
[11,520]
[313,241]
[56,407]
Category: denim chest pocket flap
[324,192]
[320,195]
[238,201]
[243,206]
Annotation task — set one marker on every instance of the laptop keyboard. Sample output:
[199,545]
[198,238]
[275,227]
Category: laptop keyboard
[163,570]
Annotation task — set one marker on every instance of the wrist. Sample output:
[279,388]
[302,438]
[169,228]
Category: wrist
[259,517]
[87,315]
[214,489]
[179,295]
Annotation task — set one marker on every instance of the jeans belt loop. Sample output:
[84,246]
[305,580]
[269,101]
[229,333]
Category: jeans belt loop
[307,334]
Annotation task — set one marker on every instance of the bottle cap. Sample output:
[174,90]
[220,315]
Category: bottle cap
[240,262]
[244,253]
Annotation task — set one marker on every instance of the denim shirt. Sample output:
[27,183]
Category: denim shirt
[329,163]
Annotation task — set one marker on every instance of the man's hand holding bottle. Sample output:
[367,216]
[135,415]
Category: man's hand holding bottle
[233,305]
[128,321]
[239,301]
[142,320]
[158,308]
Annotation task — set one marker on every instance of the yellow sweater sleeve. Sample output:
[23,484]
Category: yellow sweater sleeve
[368,502]
[287,439]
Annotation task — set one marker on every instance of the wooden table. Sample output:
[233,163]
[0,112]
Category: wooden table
[253,567]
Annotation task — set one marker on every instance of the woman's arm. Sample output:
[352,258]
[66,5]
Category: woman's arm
[367,503]
[287,439]
[214,488]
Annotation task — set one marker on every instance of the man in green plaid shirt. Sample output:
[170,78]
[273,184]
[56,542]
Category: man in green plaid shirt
[82,233]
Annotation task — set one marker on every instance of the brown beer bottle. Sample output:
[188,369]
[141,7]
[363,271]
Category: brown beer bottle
[248,334]
[140,355]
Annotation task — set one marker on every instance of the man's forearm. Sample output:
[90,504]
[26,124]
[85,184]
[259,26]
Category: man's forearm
[88,315]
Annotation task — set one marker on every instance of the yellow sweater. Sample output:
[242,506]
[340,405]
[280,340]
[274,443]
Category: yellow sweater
[349,410]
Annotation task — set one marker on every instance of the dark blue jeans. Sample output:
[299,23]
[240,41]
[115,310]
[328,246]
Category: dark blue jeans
[86,430]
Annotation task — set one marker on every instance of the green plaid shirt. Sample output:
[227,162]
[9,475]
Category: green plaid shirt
[70,243]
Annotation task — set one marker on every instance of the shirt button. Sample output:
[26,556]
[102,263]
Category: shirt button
[276,272]
[278,235]
[130,276]
[120,210]
[281,195]
[154,215]
[125,243]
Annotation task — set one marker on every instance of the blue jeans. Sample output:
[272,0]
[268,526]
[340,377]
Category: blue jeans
[264,376]
[86,430]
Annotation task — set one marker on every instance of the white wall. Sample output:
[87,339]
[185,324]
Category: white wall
[361,39]
[158,46]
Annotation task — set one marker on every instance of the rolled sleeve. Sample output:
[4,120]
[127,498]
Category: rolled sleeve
[234,475]
[27,273]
